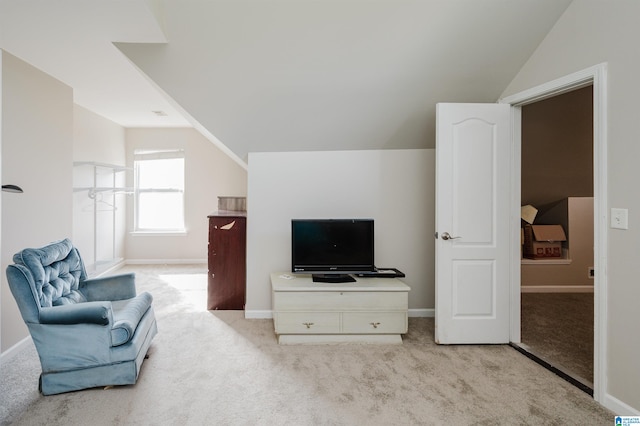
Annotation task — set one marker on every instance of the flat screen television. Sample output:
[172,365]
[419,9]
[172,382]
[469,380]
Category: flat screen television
[331,249]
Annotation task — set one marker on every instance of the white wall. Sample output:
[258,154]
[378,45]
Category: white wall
[43,133]
[394,187]
[209,173]
[99,223]
[37,154]
[591,32]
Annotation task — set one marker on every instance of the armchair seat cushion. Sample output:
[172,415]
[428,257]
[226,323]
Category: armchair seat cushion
[126,317]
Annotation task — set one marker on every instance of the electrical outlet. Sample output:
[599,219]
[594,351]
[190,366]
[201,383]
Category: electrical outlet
[591,273]
[620,218]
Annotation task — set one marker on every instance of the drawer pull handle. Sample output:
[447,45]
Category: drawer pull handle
[308,324]
[375,324]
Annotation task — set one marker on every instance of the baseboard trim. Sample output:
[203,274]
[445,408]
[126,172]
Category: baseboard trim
[618,407]
[15,350]
[422,313]
[556,289]
[109,270]
[258,314]
[165,261]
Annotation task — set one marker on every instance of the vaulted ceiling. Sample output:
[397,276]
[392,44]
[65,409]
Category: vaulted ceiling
[280,75]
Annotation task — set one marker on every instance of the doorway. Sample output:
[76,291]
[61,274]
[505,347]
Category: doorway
[557,181]
[596,77]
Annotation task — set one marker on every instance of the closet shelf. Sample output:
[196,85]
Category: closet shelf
[113,167]
[110,168]
[114,190]
[559,261]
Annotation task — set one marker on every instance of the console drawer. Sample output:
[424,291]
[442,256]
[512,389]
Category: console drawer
[374,322]
[307,322]
[340,301]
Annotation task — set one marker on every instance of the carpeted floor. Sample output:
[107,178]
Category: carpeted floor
[219,368]
[559,328]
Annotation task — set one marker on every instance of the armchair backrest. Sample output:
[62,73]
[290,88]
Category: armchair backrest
[56,270]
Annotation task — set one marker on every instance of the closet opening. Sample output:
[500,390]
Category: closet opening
[557,276]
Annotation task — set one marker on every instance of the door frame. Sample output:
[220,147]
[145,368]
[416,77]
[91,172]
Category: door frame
[597,77]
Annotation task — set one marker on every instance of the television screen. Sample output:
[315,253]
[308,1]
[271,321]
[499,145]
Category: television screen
[332,246]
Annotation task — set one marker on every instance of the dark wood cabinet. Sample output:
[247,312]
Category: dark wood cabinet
[227,261]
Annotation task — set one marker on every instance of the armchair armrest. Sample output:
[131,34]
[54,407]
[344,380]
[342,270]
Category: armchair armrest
[114,287]
[78,313]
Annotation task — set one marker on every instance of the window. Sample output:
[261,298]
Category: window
[159,190]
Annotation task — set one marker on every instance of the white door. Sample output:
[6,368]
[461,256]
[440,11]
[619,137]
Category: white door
[473,154]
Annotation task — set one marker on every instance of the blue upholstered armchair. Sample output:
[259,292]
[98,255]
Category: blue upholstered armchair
[88,332]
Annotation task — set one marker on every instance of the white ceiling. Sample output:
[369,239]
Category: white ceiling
[281,75]
[72,40]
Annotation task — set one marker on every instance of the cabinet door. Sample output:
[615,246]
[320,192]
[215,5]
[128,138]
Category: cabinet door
[227,264]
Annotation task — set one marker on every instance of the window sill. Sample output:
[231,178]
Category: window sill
[181,233]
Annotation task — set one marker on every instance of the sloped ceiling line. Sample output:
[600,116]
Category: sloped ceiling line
[281,75]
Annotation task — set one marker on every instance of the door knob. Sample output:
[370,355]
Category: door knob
[446,236]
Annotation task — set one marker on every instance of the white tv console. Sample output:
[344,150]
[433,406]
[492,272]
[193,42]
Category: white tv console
[371,310]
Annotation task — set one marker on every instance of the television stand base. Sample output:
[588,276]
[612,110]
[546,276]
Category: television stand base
[335,339]
[333,278]
[371,310]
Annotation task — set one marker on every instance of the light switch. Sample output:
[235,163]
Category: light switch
[620,218]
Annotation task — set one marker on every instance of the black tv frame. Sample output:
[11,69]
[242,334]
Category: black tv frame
[334,238]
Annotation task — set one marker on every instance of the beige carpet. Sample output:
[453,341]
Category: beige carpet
[558,327]
[217,368]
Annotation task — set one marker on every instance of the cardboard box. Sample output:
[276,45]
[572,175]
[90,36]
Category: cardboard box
[528,213]
[543,241]
[234,204]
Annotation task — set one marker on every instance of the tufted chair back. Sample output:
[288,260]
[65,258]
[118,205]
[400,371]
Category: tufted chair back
[88,332]
[57,270]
